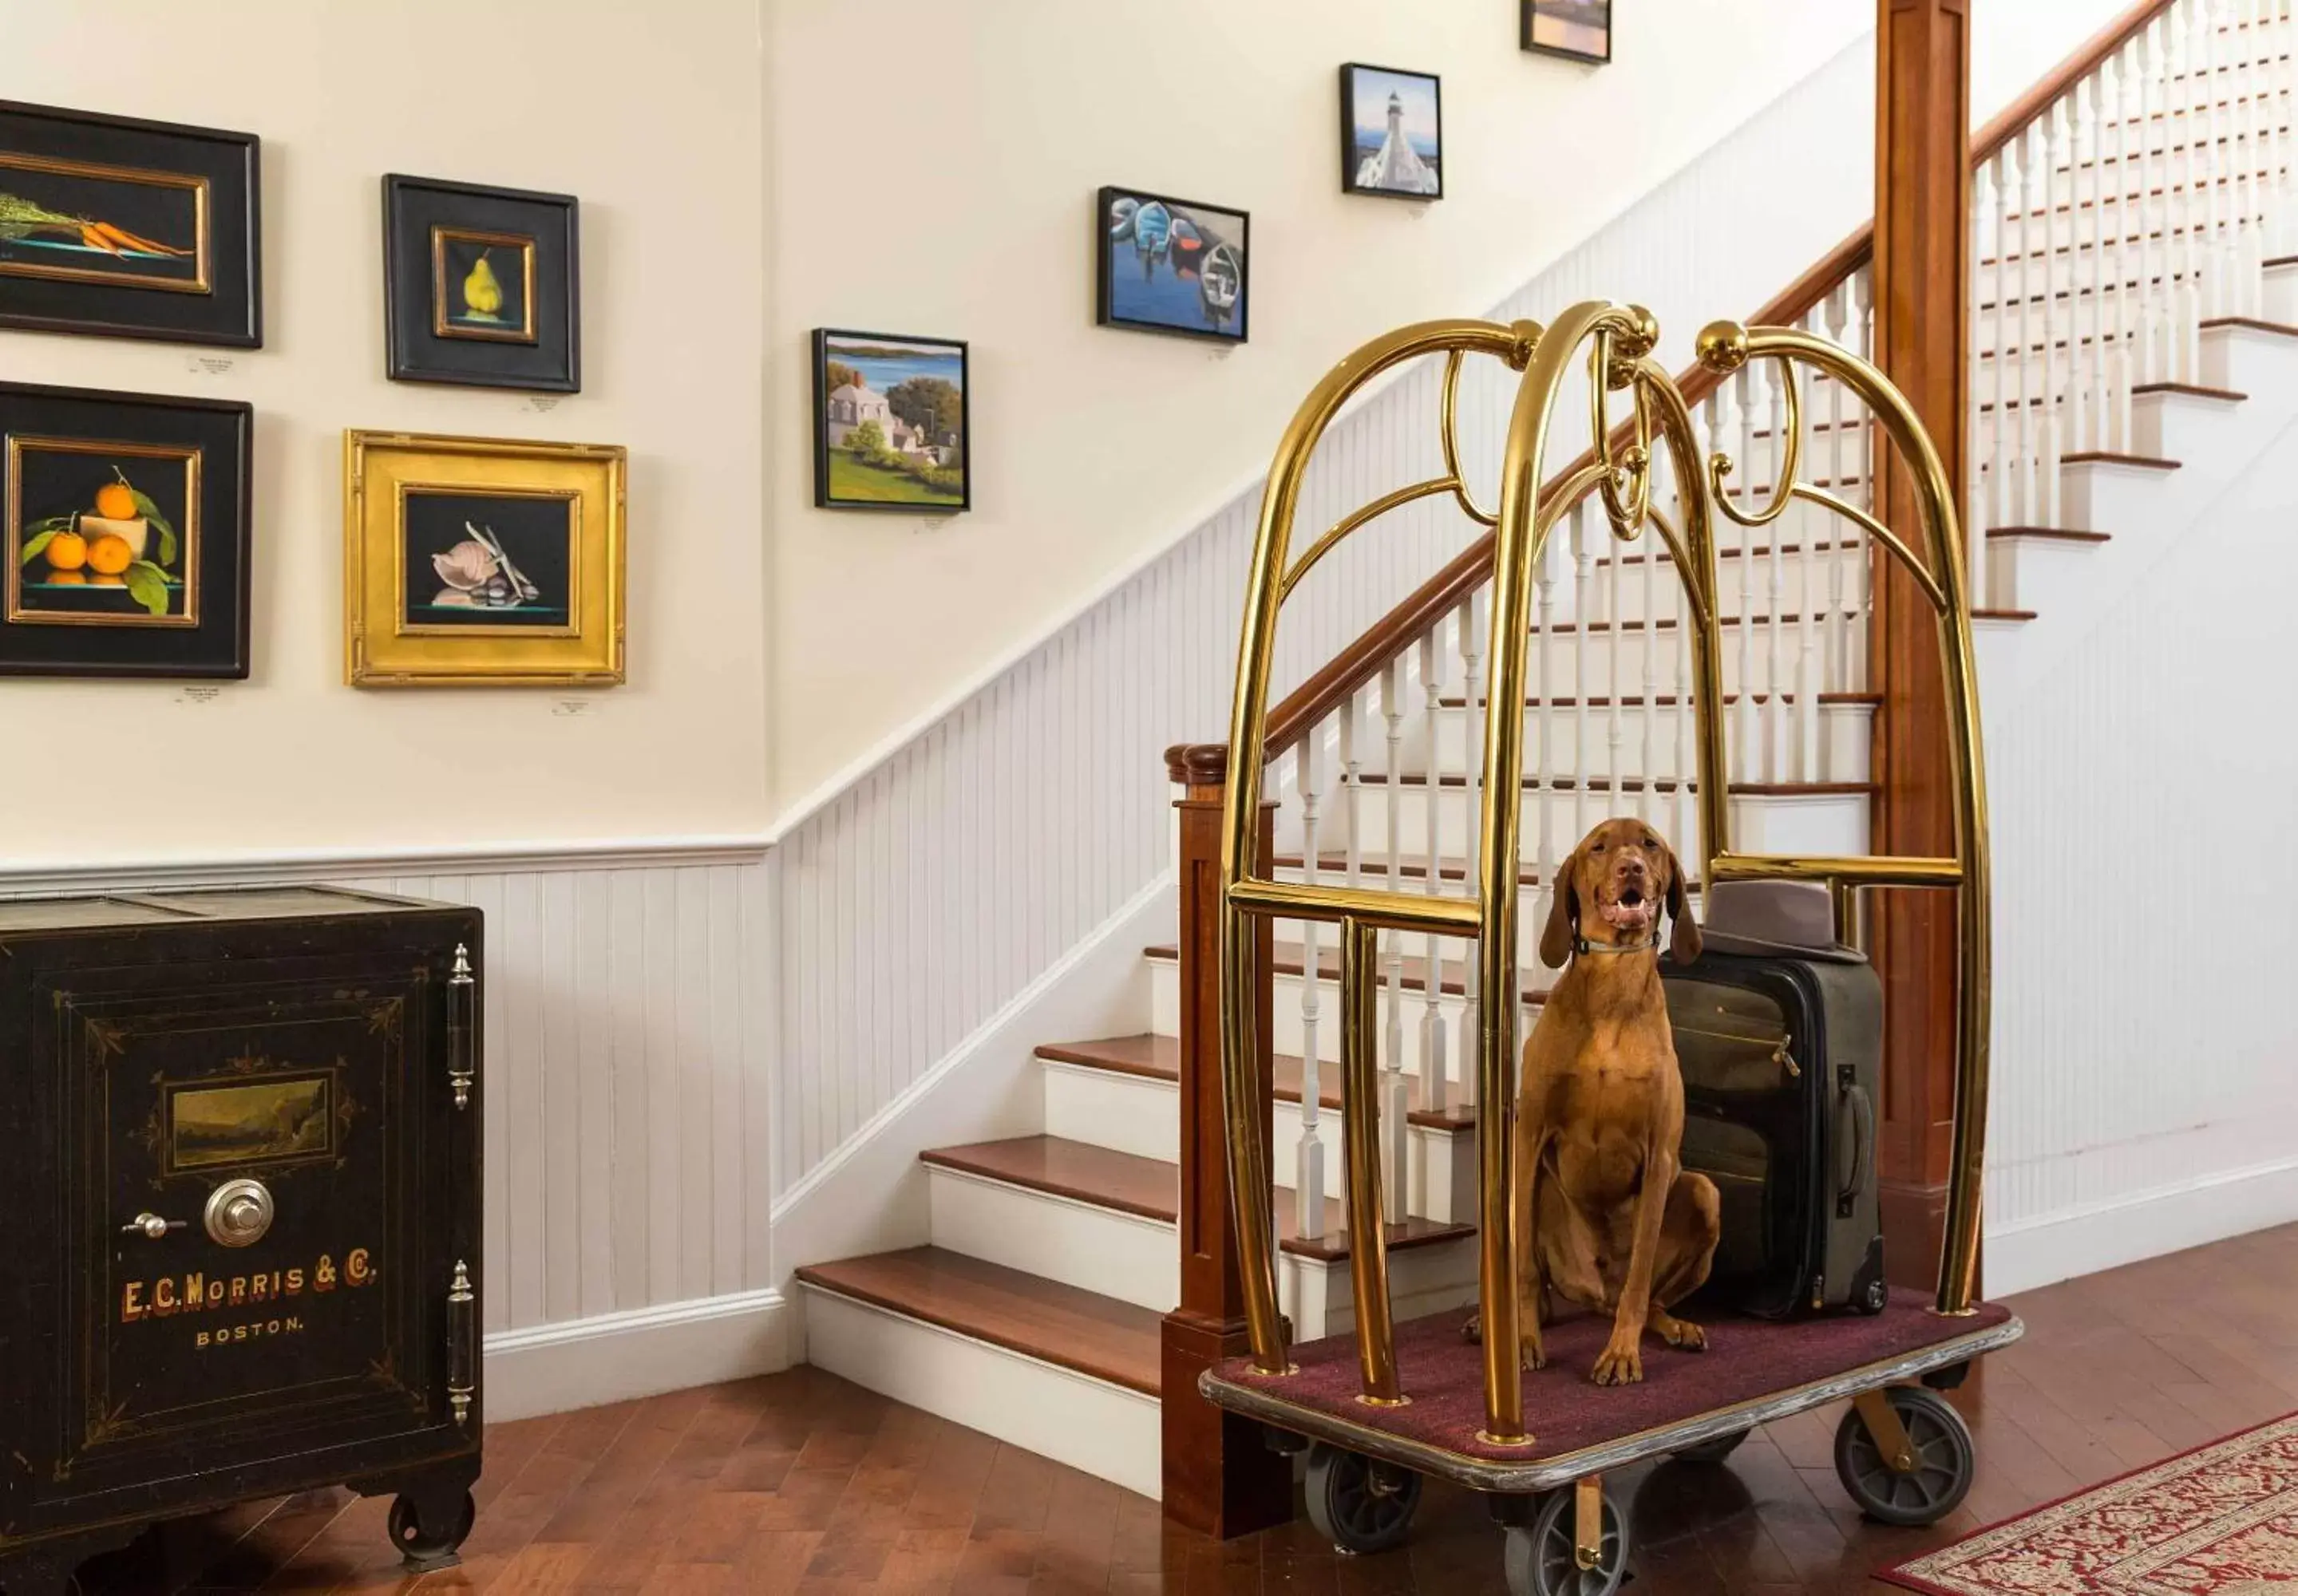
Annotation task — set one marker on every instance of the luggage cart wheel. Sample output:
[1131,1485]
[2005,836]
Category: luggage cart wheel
[1712,1450]
[1544,1558]
[1914,1477]
[1358,1504]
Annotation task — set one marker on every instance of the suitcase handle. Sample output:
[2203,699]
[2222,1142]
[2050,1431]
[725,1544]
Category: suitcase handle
[1863,1146]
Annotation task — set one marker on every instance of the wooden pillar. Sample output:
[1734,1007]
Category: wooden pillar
[1922,299]
[1220,1478]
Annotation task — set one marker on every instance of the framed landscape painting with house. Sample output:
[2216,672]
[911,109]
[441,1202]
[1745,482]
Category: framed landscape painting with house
[891,430]
[128,229]
[481,562]
[482,286]
[125,520]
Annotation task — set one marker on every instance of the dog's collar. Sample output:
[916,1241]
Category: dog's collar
[1581,944]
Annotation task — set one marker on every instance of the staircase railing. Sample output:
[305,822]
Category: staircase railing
[2122,206]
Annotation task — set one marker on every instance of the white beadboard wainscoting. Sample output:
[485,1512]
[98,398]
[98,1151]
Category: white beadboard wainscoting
[630,1102]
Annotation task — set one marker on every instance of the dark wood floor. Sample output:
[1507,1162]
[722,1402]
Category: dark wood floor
[800,1483]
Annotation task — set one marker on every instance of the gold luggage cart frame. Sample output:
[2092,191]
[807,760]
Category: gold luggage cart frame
[1614,344]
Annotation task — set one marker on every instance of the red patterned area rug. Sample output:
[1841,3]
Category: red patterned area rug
[2221,1520]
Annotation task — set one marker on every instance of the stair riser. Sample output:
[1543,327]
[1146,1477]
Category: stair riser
[2248,361]
[1651,740]
[2027,573]
[1806,822]
[1123,1256]
[1108,1431]
[1142,1116]
[2177,427]
[2112,497]
[1421,1280]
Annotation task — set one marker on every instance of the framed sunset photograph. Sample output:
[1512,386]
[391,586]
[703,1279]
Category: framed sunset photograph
[891,430]
[1391,133]
[1577,29]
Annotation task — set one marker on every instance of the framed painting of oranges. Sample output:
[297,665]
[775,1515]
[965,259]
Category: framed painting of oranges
[481,562]
[481,285]
[129,229]
[125,520]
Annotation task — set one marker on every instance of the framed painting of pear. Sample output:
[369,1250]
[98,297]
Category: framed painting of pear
[481,285]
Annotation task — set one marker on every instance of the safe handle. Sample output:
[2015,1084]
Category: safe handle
[151,1226]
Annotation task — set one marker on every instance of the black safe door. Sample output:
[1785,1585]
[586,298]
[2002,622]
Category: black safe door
[259,1244]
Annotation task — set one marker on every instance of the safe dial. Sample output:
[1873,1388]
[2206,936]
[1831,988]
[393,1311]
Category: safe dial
[239,1213]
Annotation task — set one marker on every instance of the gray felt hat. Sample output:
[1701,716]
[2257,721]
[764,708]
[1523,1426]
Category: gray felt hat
[1788,918]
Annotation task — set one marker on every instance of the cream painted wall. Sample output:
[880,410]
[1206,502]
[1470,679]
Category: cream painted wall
[934,172]
[659,130]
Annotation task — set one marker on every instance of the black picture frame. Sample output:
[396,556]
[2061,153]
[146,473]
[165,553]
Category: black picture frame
[831,342]
[1530,9]
[527,333]
[180,256]
[1351,154]
[1107,240]
[194,464]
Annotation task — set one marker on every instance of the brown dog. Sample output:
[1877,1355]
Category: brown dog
[1605,1215]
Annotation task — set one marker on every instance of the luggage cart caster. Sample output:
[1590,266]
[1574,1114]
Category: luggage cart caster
[1712,1450]
[1546,1556]
[1359,1504]
[1904,1455]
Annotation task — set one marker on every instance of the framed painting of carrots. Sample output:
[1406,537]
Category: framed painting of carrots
[481,285]
[129,229]
[124,520]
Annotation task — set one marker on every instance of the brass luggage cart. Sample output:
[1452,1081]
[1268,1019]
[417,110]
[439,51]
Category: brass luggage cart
[1379,1409]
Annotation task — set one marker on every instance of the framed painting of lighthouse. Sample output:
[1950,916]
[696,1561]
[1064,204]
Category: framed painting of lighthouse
[891,427]
[1170,265]
[481,285]
[1391,133]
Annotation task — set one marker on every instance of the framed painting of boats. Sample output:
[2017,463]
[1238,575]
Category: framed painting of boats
[892,423]
[1577,30]
[482,561]
[1391,133]
[125,520]
[482,286]
[129,229]
[1170,265]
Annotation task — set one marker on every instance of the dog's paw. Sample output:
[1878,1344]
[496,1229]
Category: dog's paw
[1535,1356]
[1620,1365]
[1681,1334]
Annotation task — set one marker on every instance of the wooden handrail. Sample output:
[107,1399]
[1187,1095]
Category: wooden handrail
[1307,704]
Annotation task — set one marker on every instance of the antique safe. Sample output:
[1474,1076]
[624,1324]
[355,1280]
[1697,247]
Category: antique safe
[239,1166]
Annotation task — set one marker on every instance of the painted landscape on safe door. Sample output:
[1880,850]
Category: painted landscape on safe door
[102,534]
[488,561]
[1171,266]
[890,422]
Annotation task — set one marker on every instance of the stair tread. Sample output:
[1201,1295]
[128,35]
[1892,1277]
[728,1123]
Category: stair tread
[1158,1058]
[1151,1188]
[2104,456]
[2282,329]
[2049,534]
[1411,866]
[1636,700]
[1662,784]
[1082,1330]
[1288,962]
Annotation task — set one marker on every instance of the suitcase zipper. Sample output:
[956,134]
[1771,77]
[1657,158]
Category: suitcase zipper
[1780,1054]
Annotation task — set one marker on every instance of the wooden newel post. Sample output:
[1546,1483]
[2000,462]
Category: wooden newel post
[1219,1477]
[1923,297]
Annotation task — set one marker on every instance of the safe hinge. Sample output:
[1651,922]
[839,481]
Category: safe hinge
[462,1039]
[462,1349]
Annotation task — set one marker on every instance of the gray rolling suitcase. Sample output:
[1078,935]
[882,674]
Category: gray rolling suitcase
[1782,1068]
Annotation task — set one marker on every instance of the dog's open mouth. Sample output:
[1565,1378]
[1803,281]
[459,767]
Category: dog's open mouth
[1629,911]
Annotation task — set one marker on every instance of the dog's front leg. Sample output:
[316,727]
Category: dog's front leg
[1622,1361]
[1530,1281]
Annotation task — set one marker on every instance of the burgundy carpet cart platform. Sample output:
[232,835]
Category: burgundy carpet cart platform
[1382,1406]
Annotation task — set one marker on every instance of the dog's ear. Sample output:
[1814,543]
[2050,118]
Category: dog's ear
[1684,941]
[1563,916]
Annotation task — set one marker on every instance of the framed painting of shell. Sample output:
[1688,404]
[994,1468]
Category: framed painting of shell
[478,562]
[129,229]
[481,285]
[125,519]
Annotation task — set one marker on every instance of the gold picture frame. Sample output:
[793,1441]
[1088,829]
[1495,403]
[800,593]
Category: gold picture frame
[482,561]
[120,245]
[179,607]
[448,286]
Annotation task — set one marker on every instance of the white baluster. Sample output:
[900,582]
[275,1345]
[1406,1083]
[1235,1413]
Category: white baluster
[1615,639]
[2050,435]
[1838,623]
[2120,322]
[1809,562]
[1545,767]
[1395,1175]
[1473,716]
[2218,278]
[2072,113]
[1747,731]
[1687,758]
[1774,724]
[1435,1057]
[2150,258]
[1351,786]
[2018,234]
[2181,204]
[1583,559]
[1649,809]
[1309,1177]
[2096,277]
[1860,595]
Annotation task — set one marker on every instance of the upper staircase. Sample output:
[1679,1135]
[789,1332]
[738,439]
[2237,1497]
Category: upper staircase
[2135,331]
